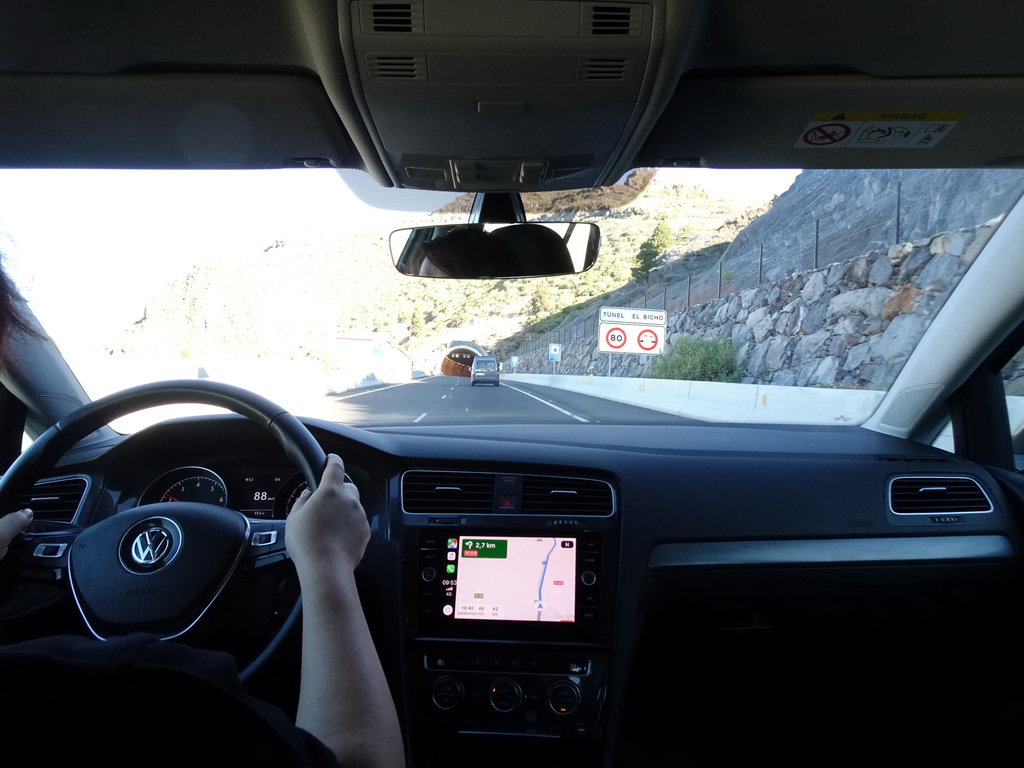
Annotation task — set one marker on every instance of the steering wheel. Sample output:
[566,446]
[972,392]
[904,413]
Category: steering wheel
[156,568]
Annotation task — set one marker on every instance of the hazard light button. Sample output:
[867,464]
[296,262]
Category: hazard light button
[506,503]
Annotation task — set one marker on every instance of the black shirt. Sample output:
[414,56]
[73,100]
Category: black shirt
[138,701]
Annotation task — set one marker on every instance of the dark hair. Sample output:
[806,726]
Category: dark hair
[471,252]
[12,311]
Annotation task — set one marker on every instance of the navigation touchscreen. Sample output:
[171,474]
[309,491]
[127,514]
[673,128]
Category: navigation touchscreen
[511,578]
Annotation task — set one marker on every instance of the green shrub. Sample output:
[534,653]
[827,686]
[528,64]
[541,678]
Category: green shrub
[698,360]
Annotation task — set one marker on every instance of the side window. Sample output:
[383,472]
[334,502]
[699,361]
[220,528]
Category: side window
[1012,377]
[1013,386]
[945,438]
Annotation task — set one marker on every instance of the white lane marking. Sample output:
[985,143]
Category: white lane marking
[370,391]
[550,405]
[416,420]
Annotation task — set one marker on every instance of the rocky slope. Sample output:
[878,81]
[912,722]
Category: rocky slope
[845,313]
[854,212]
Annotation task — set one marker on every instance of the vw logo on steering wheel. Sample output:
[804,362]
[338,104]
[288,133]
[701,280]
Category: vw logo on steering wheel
[150,545]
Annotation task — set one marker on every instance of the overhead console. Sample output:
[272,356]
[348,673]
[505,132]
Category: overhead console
[513,95]
[511,583]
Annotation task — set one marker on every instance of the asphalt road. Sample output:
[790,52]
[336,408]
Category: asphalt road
[451,400]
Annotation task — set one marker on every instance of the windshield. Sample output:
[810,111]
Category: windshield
[772,296]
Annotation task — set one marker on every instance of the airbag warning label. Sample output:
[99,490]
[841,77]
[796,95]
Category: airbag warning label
[877,130]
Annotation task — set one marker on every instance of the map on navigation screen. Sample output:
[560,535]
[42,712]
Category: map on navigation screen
[519,578]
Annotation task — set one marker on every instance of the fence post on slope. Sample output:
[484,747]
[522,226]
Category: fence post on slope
[899,185]
[817,223]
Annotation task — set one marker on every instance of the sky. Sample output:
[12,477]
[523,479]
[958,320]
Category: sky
[131,233]
[738,184]
[124,235]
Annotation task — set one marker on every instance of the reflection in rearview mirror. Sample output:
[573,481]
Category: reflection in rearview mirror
[482,251]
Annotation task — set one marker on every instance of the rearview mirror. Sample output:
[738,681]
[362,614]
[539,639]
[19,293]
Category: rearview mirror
[489,251]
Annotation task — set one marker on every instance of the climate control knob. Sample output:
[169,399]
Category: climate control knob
[564,697]
[505,694]
[447,692]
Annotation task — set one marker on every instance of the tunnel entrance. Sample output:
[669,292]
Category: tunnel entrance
[458,360]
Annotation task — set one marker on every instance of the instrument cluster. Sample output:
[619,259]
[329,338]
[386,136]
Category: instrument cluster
[261,494]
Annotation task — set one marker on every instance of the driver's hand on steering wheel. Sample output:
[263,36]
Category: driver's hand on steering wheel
[328,528]
[11,525]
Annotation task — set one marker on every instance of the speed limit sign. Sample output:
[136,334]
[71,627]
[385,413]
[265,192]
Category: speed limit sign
[615,338]
[631,331]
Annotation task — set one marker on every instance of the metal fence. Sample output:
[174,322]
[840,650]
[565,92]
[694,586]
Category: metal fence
[892,217]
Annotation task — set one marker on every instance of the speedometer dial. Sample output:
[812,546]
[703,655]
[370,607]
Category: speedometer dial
[289,494]
[195,484]
[294,496]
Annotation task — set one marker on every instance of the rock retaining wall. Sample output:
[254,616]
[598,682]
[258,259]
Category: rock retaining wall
[849,325]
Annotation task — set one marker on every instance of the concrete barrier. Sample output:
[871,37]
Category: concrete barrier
[711,401]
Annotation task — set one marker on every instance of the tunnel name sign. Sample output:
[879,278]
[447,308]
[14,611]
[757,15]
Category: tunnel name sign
[631,331]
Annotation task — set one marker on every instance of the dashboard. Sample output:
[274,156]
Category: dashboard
[591,589]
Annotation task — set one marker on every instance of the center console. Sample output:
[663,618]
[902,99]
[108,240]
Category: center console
[510,626]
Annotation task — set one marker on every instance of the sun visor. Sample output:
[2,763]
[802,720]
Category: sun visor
[839,121]
[190,120]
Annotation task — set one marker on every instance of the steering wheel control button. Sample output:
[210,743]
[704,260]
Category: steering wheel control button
[564,698]
[505,695]
[264,538]
[150,545]
[447,692]
[49,550]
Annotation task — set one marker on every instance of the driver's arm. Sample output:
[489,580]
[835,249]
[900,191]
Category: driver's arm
[10,526]
[343,697]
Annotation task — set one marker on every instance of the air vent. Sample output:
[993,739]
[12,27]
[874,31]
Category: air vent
[447,492]
[396,67]
[598,69]
[56,499]
[937,495]
[566,496]
[391,18]
[601,20]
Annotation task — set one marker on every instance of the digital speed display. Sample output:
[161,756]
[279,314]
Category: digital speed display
[259,492]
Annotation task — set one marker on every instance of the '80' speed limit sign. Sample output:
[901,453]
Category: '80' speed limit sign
[630,339]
